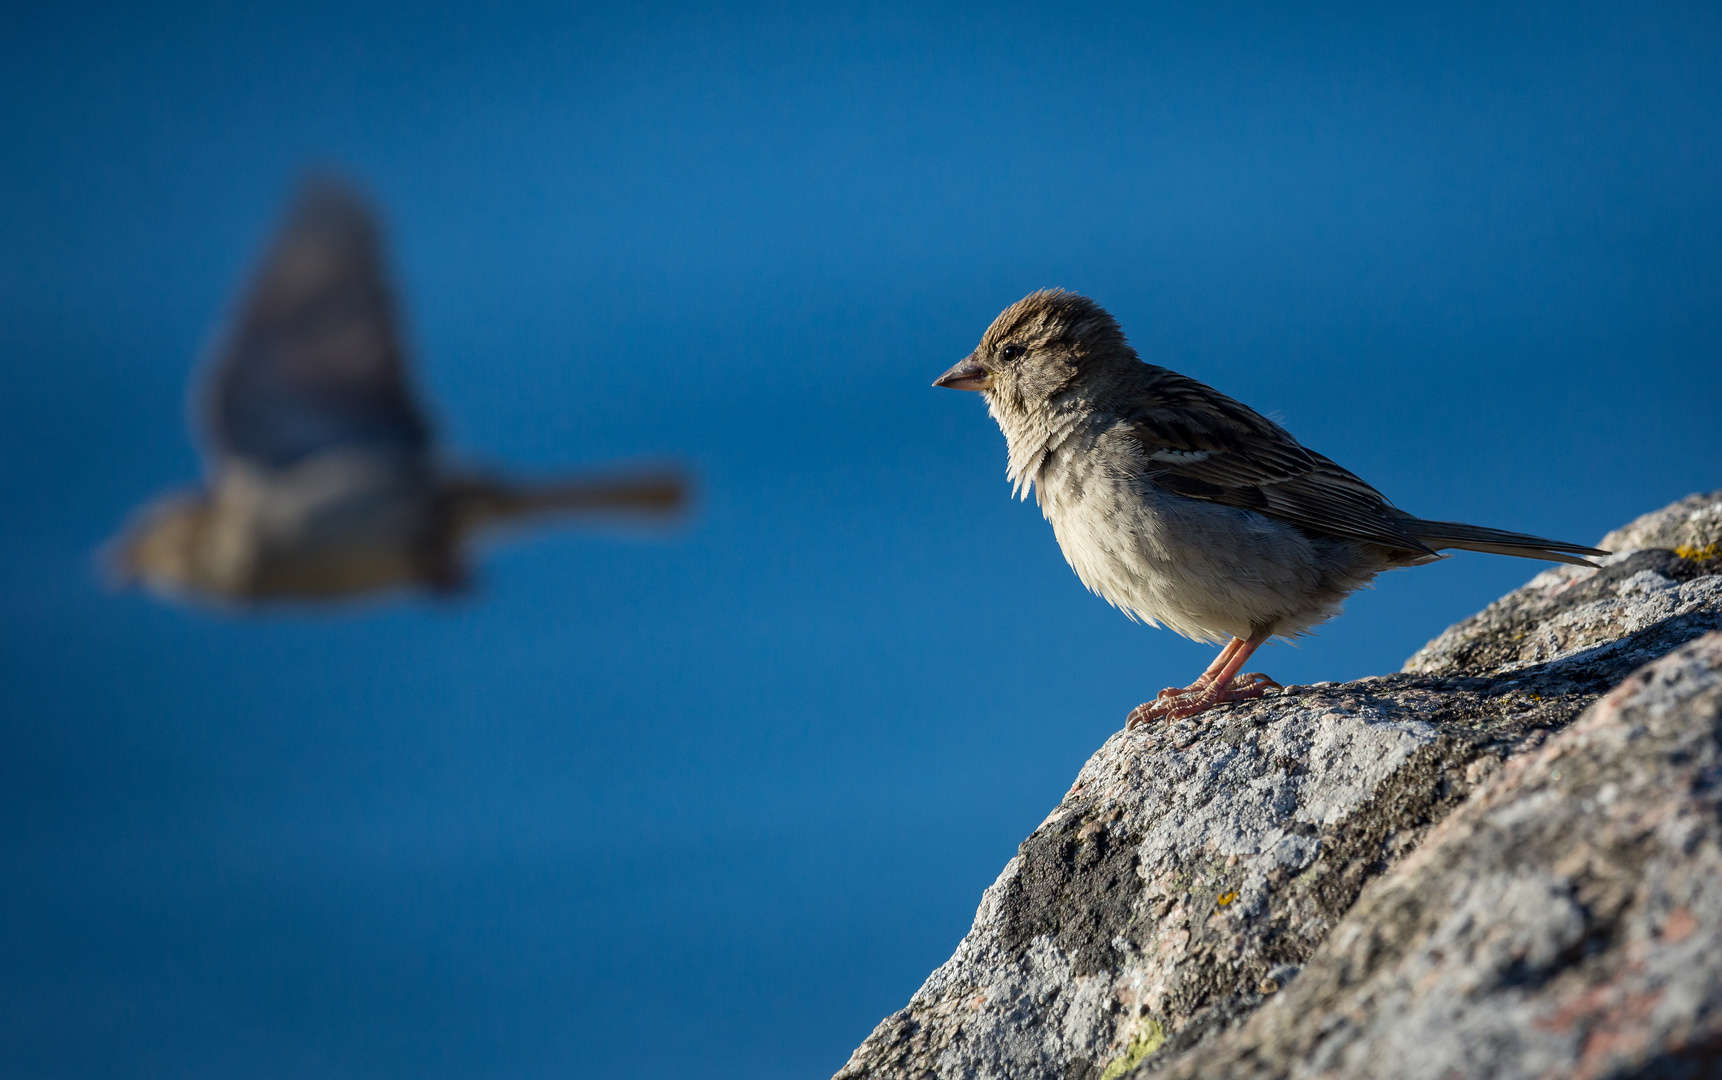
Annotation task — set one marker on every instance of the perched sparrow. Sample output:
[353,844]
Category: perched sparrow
[322,477]
[1183,507]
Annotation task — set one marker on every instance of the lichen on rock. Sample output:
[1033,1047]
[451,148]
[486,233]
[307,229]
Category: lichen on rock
[1196,871]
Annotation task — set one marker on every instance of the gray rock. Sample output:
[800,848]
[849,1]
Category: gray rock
[1664,573]
[1566,921]
[1691,527]
[1194,872]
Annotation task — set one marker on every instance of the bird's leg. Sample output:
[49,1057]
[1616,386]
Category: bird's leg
[1216,686]
[1204,680]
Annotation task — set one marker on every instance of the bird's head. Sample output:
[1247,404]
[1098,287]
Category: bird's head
[163,548]
[1043,345]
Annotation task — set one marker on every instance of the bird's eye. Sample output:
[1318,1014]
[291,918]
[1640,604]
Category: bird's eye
[1011,351]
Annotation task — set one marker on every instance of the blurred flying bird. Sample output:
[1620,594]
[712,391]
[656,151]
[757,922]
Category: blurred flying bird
[322,473]
[1183,507]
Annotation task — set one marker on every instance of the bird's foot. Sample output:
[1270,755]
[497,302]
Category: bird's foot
[1179,703]
[1183,691]
[1196,687]
[1252,684]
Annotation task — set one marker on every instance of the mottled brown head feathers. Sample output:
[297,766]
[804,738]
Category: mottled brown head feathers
[1053,317]
[159,549]
[1046,344]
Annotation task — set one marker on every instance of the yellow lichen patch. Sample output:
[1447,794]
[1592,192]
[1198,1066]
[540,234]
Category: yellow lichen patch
[1148,1038]
[1699,554]
[1227,898]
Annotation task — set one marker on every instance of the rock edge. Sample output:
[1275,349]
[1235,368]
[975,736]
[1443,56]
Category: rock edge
[1196,873]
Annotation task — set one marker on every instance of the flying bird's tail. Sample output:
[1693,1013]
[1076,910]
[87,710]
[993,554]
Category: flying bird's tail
[481,502]
[1452,534]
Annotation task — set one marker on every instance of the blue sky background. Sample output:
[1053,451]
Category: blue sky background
[716,802]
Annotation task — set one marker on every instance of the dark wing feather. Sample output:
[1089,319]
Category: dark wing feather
[1203,445]
[313,361]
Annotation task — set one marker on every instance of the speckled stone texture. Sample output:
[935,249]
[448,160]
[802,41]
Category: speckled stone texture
[1565,922]
[1196,872]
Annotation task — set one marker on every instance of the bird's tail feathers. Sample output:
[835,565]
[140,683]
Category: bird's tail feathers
[480,502]
[1452,534]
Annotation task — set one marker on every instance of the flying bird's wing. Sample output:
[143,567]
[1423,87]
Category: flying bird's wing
[313,360]
[1203,445]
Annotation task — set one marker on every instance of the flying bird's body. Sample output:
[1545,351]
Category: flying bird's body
[323,477]
[1184,508]
[332,524]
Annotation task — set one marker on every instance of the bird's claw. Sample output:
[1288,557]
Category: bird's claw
[1179,703]
[1196,687]
[1253,680]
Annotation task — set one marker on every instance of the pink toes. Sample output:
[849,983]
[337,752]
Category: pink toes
[1252,684]
[1176,703]
[1148,712]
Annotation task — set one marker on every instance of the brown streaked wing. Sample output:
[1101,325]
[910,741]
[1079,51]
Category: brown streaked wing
[313,360]
[1204,445]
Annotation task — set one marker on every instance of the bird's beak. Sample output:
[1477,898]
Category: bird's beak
[967,375]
